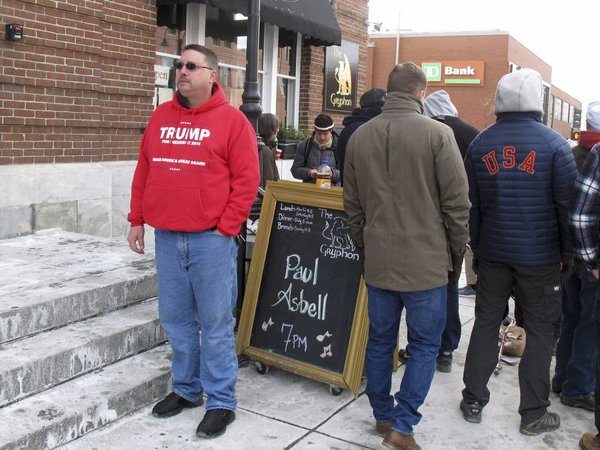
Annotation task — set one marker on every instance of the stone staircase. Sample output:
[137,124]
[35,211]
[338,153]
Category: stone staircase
[80,340]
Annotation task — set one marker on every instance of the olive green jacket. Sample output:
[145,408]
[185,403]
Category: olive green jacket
[406,195]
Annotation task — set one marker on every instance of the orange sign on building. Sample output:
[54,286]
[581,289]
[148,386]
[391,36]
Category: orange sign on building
[446,73]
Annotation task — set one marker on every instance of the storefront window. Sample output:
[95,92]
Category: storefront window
[286,100]
[566,111]
[225,34]
[571,114]
[285,96]
[168,45]
[557,108]
[546,101]
[232,80]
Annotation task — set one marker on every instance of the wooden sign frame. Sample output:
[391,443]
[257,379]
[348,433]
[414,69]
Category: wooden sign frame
[306,195]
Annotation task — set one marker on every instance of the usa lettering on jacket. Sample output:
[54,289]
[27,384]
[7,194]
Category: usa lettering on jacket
[509,161]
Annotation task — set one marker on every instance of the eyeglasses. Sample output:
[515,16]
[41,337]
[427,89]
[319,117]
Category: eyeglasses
[191,66]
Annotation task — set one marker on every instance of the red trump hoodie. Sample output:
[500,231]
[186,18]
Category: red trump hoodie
[197,168]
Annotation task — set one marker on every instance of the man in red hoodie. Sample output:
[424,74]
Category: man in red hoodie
[196,178]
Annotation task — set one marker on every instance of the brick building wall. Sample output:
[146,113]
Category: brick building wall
[352,16]
[74,97]
[475,103]
[79,87]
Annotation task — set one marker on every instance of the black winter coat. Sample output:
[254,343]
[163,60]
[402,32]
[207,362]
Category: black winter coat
[351,124]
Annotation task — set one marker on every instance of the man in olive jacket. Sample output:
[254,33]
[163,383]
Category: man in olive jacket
[406,194]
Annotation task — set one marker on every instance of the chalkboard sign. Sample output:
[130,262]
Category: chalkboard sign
[305,303]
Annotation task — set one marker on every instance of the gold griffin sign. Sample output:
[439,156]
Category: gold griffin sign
[341,76]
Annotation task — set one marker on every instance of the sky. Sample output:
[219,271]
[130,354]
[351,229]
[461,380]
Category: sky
[564,34]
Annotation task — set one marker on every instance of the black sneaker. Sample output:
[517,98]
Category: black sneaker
[471,411]
[443,363]
[467,291]
[556,388]
[587,403]
[548,422]
[215,423]
[173,404]
[403,355]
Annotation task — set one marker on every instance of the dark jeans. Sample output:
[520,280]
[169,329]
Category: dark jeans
[575,371]
[451,335]
[538,293]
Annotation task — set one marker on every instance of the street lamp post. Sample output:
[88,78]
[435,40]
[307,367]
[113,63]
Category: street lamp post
[251,96]
[251,108]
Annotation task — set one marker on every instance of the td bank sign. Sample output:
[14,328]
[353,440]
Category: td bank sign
[447,73]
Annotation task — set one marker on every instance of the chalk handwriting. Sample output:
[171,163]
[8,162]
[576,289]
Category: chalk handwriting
[293,266]
[317,309]
[295,340]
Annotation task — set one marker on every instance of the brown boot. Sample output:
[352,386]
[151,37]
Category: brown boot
[589,441]
[399,441]
[382,428]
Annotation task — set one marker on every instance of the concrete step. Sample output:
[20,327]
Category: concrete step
[34,364]
[53,278]
[70,410]
[43,308]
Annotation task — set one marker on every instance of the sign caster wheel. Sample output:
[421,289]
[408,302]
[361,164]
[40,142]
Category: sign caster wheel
[335,390]
[261,368]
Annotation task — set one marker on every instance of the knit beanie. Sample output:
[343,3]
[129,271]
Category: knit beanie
[373,97]
[520,91]
[323,122]
[592,116]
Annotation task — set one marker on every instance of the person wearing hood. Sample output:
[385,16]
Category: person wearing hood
[575,371]
[370,106]
[408,208]
[196,178]
[521,176]
[439,107]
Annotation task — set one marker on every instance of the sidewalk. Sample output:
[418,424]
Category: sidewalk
[280,410]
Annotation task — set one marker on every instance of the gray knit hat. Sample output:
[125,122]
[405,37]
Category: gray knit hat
[592,116]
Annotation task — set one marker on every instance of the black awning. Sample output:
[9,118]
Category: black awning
[315,19]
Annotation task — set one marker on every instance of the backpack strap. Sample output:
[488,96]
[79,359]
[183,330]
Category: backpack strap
[307,148]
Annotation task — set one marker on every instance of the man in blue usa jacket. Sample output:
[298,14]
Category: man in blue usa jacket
[521,176]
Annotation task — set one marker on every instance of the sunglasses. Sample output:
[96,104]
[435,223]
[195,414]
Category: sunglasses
[191,66]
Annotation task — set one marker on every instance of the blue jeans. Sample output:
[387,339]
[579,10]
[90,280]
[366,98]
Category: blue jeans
[197,287]
[425,319]
[575,372]
[451,335]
